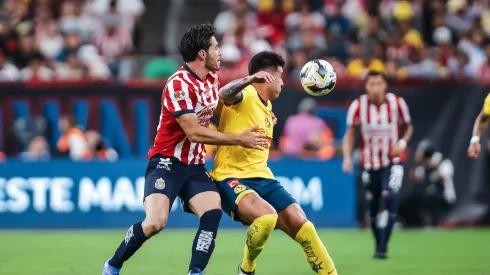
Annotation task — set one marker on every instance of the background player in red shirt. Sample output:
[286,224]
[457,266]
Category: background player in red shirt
[379,115]
[176,160]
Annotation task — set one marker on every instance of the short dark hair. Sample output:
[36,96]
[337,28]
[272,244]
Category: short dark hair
[195,39]
[264,60]
[372,73]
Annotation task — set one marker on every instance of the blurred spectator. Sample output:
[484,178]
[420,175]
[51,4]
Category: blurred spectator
[50,42]
[306,28]
[298,59]
[36,70]
[73,20]
[132,8]
[472,46]
[72,141]
[26,52]
[460,17]
[8,72]
[232,65]
[113,43]
[421,65]
[229,20]
[358,67]
[271,17]
[97,148]
[95,64]
[442,37]
[306,133]
[24,129]
[71,70]
[240,36]
[411,36]
[372,32]
[459,66]
[484,70]
[397,50]
[38,150]
[71,45]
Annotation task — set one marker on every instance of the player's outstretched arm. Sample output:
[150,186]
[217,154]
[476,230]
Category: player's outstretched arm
[480,126]
[231,93]
[199,134]
[347,148]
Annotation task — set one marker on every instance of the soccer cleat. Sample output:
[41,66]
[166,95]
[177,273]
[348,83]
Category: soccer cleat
[380,256]
[241,272]
[200,273]
[109,270]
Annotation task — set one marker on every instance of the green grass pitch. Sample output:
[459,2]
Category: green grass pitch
[461,252]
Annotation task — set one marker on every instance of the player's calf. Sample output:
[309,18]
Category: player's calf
[207,206]
[262,217]
[292,220]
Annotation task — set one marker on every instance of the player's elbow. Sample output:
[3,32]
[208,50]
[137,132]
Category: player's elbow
[193,136]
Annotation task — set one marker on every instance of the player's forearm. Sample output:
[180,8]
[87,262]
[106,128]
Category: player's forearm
[481,124]
[231,92]
[408,133]
[348,144]
[212,137]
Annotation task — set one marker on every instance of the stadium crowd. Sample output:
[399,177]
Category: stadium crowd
[66,39]
[404,39]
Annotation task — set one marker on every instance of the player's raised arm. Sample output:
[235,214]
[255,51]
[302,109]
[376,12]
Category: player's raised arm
[231,93]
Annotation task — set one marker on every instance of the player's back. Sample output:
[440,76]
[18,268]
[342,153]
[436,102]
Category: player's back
[236,161]
[185,93]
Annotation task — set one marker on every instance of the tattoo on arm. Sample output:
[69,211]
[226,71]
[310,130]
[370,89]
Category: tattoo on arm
[231,93]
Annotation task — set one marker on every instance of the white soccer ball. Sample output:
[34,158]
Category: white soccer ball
[318,77]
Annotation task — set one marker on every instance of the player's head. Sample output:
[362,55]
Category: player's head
[274,64]
[375,86]
[199,44]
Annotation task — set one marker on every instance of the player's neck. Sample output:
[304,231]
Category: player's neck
[198,68]
[377,101]
[262,93]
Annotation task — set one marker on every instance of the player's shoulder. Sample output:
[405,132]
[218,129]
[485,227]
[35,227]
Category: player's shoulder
[181,78]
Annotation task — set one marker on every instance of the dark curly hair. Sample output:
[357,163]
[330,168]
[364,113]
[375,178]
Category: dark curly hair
[195,39]
[264,60]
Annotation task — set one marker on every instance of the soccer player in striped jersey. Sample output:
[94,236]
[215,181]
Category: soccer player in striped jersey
[249,192]
[176,160]
[378,116]
[481,125]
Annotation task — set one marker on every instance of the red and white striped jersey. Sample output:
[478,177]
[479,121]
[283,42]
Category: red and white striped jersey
[379,126]
[185,93]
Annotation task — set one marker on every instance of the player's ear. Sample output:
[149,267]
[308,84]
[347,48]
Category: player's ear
[202,54]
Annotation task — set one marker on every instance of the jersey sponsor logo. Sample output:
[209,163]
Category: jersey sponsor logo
[164,163]
[160,184]
[240,188]
[204,241]
[233,183]
[204,116]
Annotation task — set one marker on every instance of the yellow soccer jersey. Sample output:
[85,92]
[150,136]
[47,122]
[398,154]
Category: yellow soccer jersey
[236,161]
[486,106]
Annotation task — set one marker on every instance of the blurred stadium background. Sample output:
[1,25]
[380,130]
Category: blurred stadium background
[80,88]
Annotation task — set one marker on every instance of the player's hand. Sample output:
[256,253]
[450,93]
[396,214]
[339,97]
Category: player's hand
[347,165]
[249,139]
[261,77]
[474,150]
[397,151]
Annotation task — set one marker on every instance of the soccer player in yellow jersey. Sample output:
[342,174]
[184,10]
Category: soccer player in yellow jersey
[250,193]
[481,125]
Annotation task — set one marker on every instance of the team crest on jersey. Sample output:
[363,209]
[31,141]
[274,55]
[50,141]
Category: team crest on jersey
[239,188]
[268,122]
[160,184]
[179,95]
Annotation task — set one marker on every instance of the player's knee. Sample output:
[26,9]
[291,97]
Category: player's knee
[212,217]
[153,226]
[385,193]
[267,221]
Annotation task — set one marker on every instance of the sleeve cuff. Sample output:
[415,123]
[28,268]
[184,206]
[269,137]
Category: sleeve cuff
[182,112]
[236,102]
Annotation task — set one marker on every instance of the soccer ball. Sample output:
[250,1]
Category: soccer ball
[318,77]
